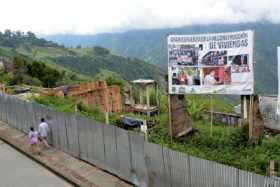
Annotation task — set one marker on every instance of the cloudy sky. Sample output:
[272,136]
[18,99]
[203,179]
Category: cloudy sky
[95,16]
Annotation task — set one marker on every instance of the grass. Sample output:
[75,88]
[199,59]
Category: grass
[68,105]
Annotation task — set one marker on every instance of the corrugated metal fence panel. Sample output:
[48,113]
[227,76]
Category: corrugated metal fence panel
[72,135]
[110,142]
[25,117]
[123,152]
[201,172]
[139,170]
[83,134]
[90,141]
[223,175]
[21,115]
[97,154]
[9,110]
[37,115]
[155,165]
[179,168]
[14,105]
[10,106]
[247,179]
[62,132]
[167,166]
[2,107]
[272,182]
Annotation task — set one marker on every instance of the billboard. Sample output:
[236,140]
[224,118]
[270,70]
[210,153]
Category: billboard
[220,63]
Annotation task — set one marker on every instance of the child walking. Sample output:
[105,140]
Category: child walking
[33,140]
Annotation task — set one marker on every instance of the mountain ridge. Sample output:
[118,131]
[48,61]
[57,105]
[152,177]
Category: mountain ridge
[89,61]
[150,45]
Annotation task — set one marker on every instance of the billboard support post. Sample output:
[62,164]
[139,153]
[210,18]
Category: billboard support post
[251,114]
[211,110]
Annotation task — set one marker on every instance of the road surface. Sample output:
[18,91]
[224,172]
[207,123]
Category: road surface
[17,170]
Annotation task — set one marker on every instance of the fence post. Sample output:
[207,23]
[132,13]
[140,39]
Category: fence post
[189,171]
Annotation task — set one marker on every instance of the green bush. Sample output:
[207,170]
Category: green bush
[195,108]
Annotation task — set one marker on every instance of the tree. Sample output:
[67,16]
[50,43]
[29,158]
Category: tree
[31,35]
[8,33]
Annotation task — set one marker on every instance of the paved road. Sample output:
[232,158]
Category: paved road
[17,170]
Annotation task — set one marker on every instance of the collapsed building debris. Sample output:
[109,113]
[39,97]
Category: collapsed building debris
[99,94]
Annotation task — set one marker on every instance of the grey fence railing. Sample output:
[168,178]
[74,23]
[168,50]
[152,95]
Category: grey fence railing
[125,153]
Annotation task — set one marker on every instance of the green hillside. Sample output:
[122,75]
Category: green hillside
[91,61]
[150,45]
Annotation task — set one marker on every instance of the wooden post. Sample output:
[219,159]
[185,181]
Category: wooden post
[251,121]
[148,100]
[144,129]
[271,168]
[131,98]
[140,96]
[170,118]
[245,108]
[211,110]
[107,117]
[147,96]
[157,96]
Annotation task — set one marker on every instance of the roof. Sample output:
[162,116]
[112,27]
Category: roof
[144,81]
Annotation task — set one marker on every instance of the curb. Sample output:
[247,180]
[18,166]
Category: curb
[69,179]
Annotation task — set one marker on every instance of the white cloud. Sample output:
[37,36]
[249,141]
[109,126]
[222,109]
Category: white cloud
[93,16]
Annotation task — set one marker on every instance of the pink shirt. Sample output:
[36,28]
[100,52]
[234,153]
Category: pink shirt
[33,137]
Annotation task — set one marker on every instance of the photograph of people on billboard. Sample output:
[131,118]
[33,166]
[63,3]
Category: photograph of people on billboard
[220,63]
[239,63]
[214,58]
[186,76]
[217,75]
[183,55]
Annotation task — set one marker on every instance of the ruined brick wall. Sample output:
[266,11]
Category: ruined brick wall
[106,98]
[79,89]
[115,101]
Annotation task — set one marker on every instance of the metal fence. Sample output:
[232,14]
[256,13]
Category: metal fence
[125,153]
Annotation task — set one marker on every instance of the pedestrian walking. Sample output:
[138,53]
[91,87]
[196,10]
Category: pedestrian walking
[33,140]
[43,133]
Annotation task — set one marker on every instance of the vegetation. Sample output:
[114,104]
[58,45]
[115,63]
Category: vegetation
[69,105]
[36,73]
[89,61]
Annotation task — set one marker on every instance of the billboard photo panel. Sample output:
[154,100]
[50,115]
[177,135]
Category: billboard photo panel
[219,63]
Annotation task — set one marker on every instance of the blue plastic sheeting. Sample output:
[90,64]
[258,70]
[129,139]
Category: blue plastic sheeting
[132,122]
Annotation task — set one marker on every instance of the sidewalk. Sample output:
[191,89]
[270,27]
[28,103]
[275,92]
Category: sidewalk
[73,170]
